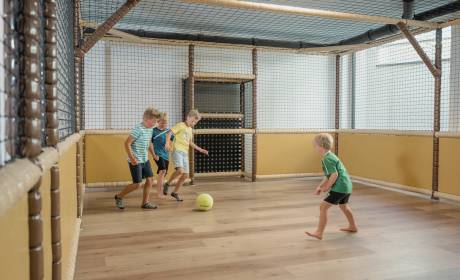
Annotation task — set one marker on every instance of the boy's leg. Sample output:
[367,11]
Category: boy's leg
[351,220]
[136,174]
[180,182]
[147,173]
[323,208]
[177,173]
[147,188]
[160,182]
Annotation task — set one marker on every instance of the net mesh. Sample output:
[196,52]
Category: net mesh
[177,16]
[65,68]
[392,88]
[450,95]
[9,82]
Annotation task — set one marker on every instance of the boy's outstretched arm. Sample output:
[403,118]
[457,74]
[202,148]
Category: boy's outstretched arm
[196,147]
[330,182]
[168,141]
[152,151]
[128,150]
[319,187]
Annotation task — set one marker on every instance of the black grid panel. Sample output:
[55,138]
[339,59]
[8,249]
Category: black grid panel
[65,68]
[217,97]
[225,153]
[209,123]
[42,72]
[9,82]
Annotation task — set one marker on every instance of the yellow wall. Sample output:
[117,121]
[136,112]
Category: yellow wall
[449,163]
[46,218]
[405,160]
[68,188]
[14,242]
[106,160]
[286,154]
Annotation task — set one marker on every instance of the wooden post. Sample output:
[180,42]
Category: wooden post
[437,114]
[36,261]
[413,41]
[56,224]
[191,103]
[243,125]
[30,79]
[254,114]
[337,103]
[105,27]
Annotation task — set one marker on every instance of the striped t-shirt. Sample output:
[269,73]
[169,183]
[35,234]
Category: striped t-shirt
[140,145]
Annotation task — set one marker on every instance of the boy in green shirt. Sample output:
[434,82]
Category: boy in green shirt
[337,182]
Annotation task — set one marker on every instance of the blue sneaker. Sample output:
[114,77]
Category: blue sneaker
[119,202]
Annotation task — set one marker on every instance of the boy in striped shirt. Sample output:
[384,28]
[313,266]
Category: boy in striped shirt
[137,147]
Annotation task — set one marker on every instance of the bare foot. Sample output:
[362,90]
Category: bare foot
[314,235]
[350,229]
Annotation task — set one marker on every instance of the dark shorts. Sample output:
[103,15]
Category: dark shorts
[337,198]
[162,164]
[140,171]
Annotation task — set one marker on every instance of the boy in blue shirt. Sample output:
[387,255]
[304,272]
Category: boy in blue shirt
[159,153]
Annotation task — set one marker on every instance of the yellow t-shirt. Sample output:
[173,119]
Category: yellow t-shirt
[182,137]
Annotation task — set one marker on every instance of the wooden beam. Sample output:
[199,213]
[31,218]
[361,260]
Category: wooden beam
[450,23]
[311,12]
[105,27]
[403,27]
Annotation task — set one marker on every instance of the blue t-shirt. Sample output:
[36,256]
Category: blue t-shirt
[159,142]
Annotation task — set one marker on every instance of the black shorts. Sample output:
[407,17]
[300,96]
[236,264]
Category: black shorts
[337,198]
[162,164]
[140,171]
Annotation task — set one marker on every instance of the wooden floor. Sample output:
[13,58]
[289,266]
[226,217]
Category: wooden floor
[255,231]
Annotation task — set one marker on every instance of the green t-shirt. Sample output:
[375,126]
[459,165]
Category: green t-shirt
[332,164]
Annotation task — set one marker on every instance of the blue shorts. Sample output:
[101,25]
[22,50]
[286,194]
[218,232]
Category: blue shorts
[180,160]
[140,171]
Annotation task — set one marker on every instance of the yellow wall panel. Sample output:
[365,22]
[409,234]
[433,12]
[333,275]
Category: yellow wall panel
[286,154]
[68,188]
[14,242]
[405,160]
[449,163]
[106,159]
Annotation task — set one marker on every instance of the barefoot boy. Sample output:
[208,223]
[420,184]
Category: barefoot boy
[160,154]
[183,140]
[337,183]
[137,147]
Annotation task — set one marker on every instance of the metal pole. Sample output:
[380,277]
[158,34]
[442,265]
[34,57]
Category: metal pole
[254,114]
[337,103]
[437,114]
[191,102]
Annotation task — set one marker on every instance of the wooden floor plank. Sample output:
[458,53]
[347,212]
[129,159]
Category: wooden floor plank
[255,231]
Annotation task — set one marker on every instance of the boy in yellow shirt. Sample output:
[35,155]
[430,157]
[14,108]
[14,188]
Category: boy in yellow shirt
[182,141]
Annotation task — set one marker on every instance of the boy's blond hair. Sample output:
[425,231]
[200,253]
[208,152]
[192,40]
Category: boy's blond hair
[151,113]
[324,140]
[163,116]
[194,114]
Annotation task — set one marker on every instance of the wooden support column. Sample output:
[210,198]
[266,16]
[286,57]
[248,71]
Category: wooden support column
[437,114]
[52,121]
[30,79]
[36,261]
[413,41]
[191,103]
[337,104]
[106,26]
[243,125]
[254,114]
[56,224]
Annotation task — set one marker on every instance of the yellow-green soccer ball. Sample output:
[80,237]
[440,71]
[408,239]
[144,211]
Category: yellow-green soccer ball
[204,202]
